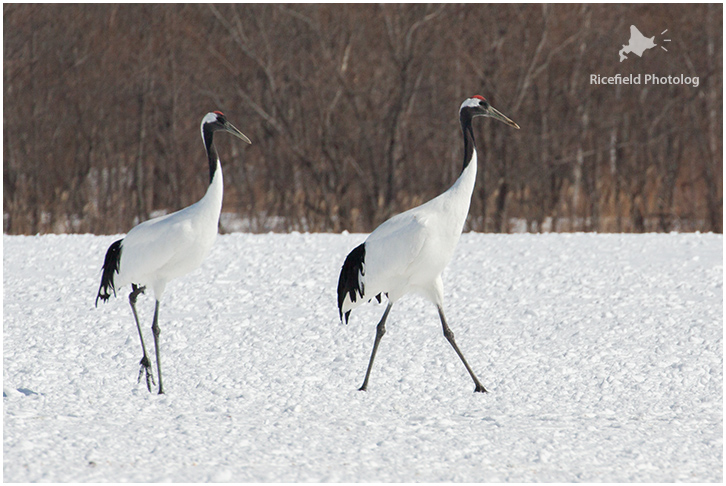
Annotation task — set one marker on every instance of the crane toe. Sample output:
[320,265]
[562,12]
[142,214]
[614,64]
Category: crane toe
[146,367]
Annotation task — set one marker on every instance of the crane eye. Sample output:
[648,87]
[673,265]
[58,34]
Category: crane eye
[483,104]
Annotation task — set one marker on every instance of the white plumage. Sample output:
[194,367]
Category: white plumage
[408,252]
[164,248]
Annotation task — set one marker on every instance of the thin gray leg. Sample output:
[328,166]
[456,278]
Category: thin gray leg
[448,333]
[380,331]
[156,331]
[145,363]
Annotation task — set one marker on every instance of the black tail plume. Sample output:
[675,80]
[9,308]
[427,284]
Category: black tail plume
[349,282]
[110,265]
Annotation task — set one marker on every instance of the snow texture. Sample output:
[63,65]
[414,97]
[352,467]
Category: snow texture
[603,356]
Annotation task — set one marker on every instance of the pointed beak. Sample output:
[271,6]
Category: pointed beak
[231,129]
[494,113]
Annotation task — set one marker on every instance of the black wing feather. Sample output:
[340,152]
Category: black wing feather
[110,266]
[349,282]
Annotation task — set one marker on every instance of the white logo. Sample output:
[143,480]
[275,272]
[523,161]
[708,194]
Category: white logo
[639,43]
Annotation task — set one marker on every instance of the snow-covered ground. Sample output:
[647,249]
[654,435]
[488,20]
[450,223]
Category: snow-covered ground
[603,355]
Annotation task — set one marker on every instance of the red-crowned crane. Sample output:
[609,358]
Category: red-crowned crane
[408,252]
[164,248]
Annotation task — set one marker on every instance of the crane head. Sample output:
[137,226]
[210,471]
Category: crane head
[216,121]
[479,106]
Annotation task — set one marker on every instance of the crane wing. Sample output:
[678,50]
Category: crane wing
[391,252]
[152,245]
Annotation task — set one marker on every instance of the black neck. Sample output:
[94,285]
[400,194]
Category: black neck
[469,143]
[211,152]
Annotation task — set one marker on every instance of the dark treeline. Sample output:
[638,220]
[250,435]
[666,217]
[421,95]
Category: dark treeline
[352,110]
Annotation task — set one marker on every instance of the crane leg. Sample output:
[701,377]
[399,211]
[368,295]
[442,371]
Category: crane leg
[449,334]
[156,331]
[145,363]
[380,331]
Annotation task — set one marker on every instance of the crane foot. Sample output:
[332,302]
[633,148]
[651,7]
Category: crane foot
[146,367]
[480,389]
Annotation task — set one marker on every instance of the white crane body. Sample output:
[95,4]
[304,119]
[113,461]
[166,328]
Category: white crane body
[164,248]
[408,252]
[170,246]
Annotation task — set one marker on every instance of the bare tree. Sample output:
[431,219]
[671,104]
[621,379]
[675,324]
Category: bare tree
[352,108]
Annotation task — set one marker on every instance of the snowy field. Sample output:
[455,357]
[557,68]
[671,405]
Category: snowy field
[603,355]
